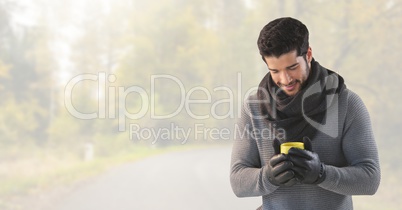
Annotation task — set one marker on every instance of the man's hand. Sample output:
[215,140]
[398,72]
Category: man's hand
[307,164]
[279,168]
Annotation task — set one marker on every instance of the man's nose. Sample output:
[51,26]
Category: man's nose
[285,78]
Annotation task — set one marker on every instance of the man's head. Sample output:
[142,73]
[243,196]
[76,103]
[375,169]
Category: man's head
[284,47]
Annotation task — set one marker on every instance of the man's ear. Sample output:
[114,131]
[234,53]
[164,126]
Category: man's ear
[309,55]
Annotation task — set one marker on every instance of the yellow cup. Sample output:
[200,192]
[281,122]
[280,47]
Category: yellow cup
[287,145]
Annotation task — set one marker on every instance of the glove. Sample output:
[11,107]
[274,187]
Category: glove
[307,164]
[279,168]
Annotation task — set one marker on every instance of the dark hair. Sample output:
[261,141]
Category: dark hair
[281,36]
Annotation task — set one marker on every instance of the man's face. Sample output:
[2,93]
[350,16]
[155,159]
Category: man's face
[289,71]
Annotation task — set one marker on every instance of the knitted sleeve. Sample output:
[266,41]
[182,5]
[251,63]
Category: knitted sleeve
[247,176]
[362,175]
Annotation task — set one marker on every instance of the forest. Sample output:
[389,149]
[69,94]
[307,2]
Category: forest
[110,75]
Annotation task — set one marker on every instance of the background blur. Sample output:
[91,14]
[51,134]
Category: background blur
[52,159]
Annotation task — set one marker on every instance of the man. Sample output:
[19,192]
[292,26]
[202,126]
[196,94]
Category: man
[299,100]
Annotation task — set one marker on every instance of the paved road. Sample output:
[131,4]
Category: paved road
[196,179]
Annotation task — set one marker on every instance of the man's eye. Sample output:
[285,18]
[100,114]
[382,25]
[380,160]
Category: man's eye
[293,68]
[274,72]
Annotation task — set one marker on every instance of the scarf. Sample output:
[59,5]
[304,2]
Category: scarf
[293,114]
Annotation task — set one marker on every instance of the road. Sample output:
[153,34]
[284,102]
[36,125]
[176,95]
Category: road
[193,179]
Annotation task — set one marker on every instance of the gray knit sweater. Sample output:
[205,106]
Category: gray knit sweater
[351,159]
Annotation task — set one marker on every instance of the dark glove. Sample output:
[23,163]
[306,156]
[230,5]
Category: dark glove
[307,164]
[279,168]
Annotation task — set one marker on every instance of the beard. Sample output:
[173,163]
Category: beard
[300,83]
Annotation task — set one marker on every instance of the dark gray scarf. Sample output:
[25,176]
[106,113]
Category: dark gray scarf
[288,112]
